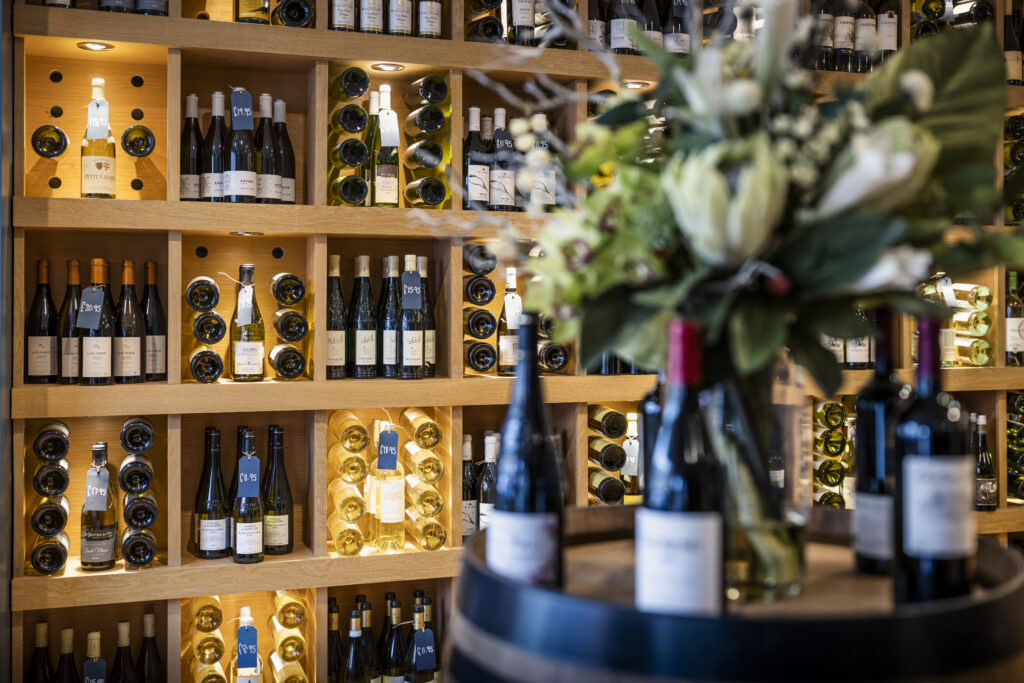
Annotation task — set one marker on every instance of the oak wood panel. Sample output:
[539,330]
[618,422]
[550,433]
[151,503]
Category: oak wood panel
[174,530]
[316,307]
[316,133]
[173,303]
[173,640]
[316,428]
[19,117]
[174,124]
[20,306]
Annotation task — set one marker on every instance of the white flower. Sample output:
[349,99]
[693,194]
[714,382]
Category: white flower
[797,79]
[803,174]
[803,127]
[518,126]
[782,123]
[537,158]
[727,220]
[539,122]
[858,117]
[525,142]
[918,88]
[742,96]
[785,149]
[901,268]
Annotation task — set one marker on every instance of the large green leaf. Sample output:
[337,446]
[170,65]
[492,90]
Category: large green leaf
[646,344]
[602,321]
[756,333]
[807,351]
[836,318]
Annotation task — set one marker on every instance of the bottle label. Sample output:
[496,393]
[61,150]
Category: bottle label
[97,481]
[213,185]
[268,186]
[986,491]
[872,525]
[1015,335]
[188,187]
[655,37]
[156,354]
[400,16]
[858,350]
[412,347]
[508,349]
[678,562]
[125,4]
[96,360]
[678,43]
[777,478]
[430,19]
[1013,62]
[620,34]
[502,187]
[212,534]
[392,500]
[389,347]
[127,356]
[248,538]
[938,507]
[513,310]
[523,546]
[836,346]
[523,13]
[888,28]
[288,190]
[844,33]
[484,519]
[151,5]
[865,35]
[98,175]
[97,125]
[429,349]
[478,182]
[276,529]
[248,358]
[371,15]
[386,185]
[98,544]
[826,25]
[544,187]
[42,356]
[632,467]
[239,183]
[947,346]
[343,14]
[335,347]
[69,356]
[596,31]
[470,518]
[366,347]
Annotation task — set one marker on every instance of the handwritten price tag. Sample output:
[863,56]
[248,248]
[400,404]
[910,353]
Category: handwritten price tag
[94,671]
[247,647]
[425,655]
[412,291]
[90,308]
[241,110]
[387,450]
[96,482]
[248,477]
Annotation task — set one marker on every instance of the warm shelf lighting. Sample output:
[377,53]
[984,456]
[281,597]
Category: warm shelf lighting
[95,46]
[637,85]
[247,233]
[387,66]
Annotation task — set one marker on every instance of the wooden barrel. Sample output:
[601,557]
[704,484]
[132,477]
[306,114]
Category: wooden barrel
[843,626]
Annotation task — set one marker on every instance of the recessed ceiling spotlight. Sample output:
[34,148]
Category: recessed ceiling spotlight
[95,46]
[387,66]
[637,85]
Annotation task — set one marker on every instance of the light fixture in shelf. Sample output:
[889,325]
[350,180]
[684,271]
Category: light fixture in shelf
[637,85]
[246,233]
[95,46]
[387,66]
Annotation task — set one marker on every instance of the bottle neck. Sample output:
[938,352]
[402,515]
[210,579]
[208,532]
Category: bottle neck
[883,343]
[928,358]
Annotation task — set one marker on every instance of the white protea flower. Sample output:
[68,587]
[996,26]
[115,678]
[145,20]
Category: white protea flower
[918,88]
[742,97]
[900,268]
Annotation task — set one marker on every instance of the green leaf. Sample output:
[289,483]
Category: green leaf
[602,321]
[836,318]
[623,113]
[662,58]
[807,351]
[671,295]
[756,333]
[646,344]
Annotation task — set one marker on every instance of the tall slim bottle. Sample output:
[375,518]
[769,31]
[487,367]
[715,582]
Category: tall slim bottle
[508,325]
[214,150]
[99,515]
[367,642]
[336,323]
[1011,47]
[66,325]
[524,538]
[355,668]
[212,507]
[370,139]
[98,148]
[476,161]
[284,153]
[278,514]
[389,310]
[247,331]
[392,656]
[96,343]
[385,160]
[470,504]
[129,331]
[986,478]
[936,531]
[41,331]
[1014,323]
[242,673]
[361,335]
[156,328]
[148,667]
[487,482]
[240,446]
[502,174]
[241,165]
[39,670]
[92,647]
[67,670]
[429,325]
[189,187]
[389,495]
[268,171]
[247,515]
[123,670]
[335,648]
[410,326]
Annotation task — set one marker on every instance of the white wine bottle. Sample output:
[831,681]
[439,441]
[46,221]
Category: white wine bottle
[98,148]
[207,646]
[347,536]
[278,514]
[336,322]
[247,331]
[290,608]
[389,485]
[385,158]
[129,331]
[424,498]
[206,612]
[191,149]
[41,331]
[99,515]
[508,326]
[361,334]
[410,322]
[348,466]
[289,643]
[346,500]
[95,325]
[66,325]
[247,507]
[425,532]
[429,325]
[212,507]
[212,159]
[350,432]
[421,428]
[425,465]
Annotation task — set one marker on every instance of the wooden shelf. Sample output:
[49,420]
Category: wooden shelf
[1001,521]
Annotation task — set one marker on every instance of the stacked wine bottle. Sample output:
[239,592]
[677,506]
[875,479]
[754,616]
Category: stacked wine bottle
[963,342]
[613,448]
[139,506]
[51,509]
[834,449]
[522,22]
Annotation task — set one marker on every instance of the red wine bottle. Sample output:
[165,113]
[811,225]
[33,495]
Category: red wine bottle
[39,670]
[149,668]
[123,670]
[935,538]
[41,331]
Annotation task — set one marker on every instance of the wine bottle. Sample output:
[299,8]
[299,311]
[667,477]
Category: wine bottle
[207,645]
[99,515]
[348,153]
[520,20]
[247,506]
[240,446]
[276,494]
[138,548]
[844,36]
[98,148]
[361,335]
[986,479]
[209,327]
[422,497]
[129,331]
[829,414]
[214,149]
[351,83]
[424,432]
[369,169]
[607,488]
[392,656]
[371,16]
[349,119]
[400,17]
[552,356]
[935,538]
[290,325]
[389,495]
[51,443]
[247,665]
[411,325]
[346,500]
[39,670]
[479,290]
[824,47]
[289,643]
[478,323]
[212,508]
[525,527]
[887,30]
[202,293]
[425,192]
[247,331]
[424,121]
[429,324]
[623,18]
[349,189]
[486,29]
[476,188]
[41,331]
[149,668]
[67,670]
[135,475]
[1014,323]
[426,90]
[355,667]
[675,26]
[242,164]
[385,158]
[865,38]
[605,421]
[429,15]
[268,168]
[545,186]
[140,510]
[49,141]
[252,11]
[606,454]
[49,515]
[470,501]
[123,670]
[336,323]
[155,328]
[92,654]
[343,16]
[294,13]
[479,260]
[651,26]
[335,648]
[367,643]
[416,669]
[191,152]
[67,324]
[51,479]
[480,356]
[501,174]
[508,325]
[205,364]
[95,325]
[389,309]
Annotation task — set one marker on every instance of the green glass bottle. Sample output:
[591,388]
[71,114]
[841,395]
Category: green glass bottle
[99,515]
[247,331]
[278,517]
[247,515]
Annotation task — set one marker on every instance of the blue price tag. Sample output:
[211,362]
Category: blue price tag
[247,647]
[425,657]
[96,482]
[94,671]
[412,291]
[387,450]
[90,308]
[241,110]
[248,477]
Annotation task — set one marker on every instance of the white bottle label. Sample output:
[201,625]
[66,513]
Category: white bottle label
[485,510]
[240,183]
[620,34]
[127,356]
[275,529]
[888,27]
[212,534]
[470,518]
[596,31]
[156,354]
[523,546]
[98,175]
[502,187]
[400,16]
[371,15]
[98,545]
[42,356]
[678,562]
[213,185]
[865,35]
[248,538]
[96,357]
[412,347]
[508,350]
[343,14]
[429,348]
[288,190]
[430,19]
[523,12]
[827,24]
[478,182]
[69,356]
[836,346]
[335,347]
[1012,60]
[247,358]
[386,186]
[389,347]
[366,347]
[1015,335]
[392,500]
[947,346]
[938,507]
[679,43]
[858,350]
[872,526]
[188,187]
[777,478]
[544,187]
[268,186]
[655,37]
[844,33]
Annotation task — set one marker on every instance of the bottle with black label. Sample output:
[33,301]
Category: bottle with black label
[41,331]
[99,515]
[268,171]
[240,168]
[191,152]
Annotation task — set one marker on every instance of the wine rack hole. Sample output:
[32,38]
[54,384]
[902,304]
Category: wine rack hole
[202,252]
[277,253]
[53,182]
[56,76]
[138,81]
[137,184]
[137,114]
[56,111]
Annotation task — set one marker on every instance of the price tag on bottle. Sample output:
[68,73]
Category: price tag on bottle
[412,292]
[632,448]
[98,126]
[96,482]
[247,646]
[245,306]
[248,477]
[426,658]
[241,110]
[388,121]
[387,450]
[90,308]
[94,671]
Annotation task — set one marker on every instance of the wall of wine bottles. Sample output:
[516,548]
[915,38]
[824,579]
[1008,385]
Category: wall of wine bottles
[614,454]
